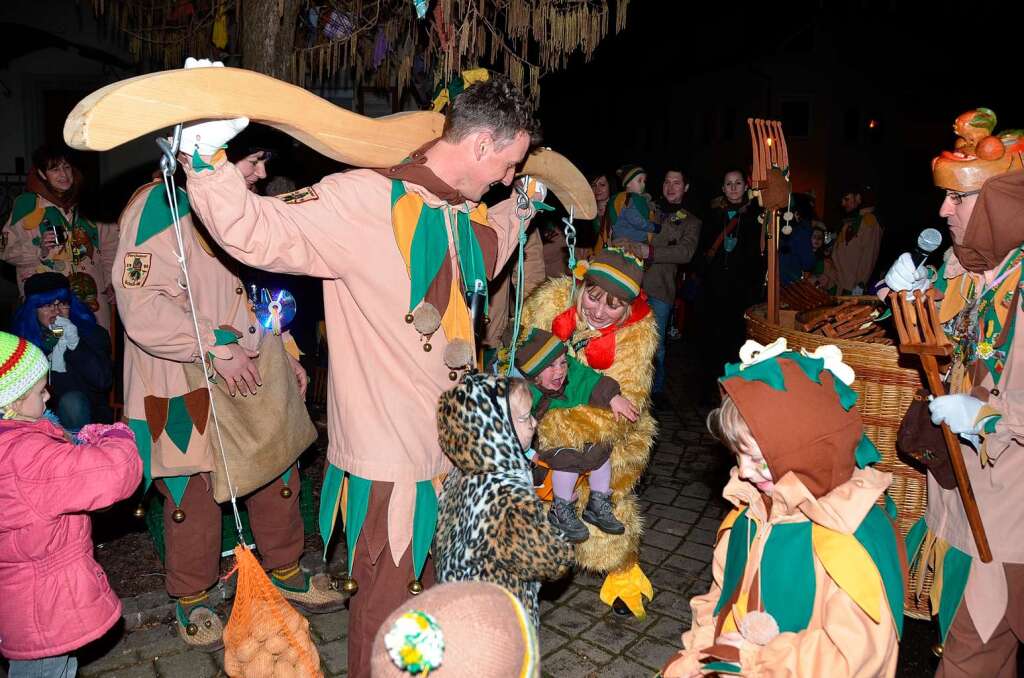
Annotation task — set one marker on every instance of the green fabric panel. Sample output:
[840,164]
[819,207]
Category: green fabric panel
[955,569]
[735,557]
[424,523]
[224,337]
[866,453]
[145,445]
[355,512]
[847,396]
[722,667]
[878,537]
[787,576]
[768,372]
[330,495]
[542,206]
[991,423]
[24,205]
[156,213]
[179,423]
[471,256]
[397,191]
[428,251]
[287,476]
[891,509]
[198,164]
[177,485]
[915,537]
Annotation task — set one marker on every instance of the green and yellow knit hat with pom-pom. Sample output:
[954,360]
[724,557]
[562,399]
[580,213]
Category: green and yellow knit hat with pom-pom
[22,364]
[614,270]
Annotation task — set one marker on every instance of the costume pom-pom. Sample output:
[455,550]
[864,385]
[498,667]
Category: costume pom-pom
[415,642]
[426,319]
[759,628]
[458,354]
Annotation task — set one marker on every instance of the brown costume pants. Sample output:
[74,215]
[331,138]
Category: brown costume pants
[382,586]
[192,547]
[965,656]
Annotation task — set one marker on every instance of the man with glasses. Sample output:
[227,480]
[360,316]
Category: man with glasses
[981,606]
[46,232]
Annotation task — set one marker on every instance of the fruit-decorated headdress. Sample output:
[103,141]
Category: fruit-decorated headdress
[990,165]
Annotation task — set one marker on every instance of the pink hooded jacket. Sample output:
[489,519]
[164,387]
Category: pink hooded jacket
[56,598]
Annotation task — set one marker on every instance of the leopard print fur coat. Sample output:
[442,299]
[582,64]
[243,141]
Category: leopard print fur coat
[491,525]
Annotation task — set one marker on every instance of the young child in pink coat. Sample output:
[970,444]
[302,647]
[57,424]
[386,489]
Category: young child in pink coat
[55,595]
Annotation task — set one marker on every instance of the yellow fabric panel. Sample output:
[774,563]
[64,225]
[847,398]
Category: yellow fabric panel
[405,214]
[955,299]
[32,219]
[456,322]
[728,522]
[938,560]
[850,566]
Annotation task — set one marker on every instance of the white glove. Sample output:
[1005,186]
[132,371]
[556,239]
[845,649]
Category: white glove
[209,136]
[902,275]
[958,412]
[70,336]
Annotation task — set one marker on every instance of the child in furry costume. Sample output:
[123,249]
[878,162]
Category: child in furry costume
[622,350]
[491,525]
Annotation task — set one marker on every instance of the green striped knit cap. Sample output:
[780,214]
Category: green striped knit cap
[537,351]
[629,172]
[617,272]
[22,364]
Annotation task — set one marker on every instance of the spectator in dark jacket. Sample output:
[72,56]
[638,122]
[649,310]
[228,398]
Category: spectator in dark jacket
[674,246]
[78,349]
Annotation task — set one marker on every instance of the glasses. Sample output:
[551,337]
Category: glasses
[957,198]
[56,305]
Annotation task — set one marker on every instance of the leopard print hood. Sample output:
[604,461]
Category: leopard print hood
[474,424]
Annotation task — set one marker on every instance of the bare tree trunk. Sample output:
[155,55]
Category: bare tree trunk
[268,35]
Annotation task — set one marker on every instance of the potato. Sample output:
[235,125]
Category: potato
[284,669]
[261,666]
[246,650]
[990,148]
[276,644]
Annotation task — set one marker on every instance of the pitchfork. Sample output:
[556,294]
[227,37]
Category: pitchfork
[770,181]
[921,333]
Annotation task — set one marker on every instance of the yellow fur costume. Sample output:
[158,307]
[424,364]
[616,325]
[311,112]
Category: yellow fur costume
[635,344]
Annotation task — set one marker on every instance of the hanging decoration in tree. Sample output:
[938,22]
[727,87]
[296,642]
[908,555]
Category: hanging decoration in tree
[376,41]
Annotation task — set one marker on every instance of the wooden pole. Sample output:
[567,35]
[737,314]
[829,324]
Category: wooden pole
[773,266]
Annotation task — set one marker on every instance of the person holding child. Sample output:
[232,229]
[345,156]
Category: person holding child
[608,326]
[56,598]
[808,572]
[559,381]
[631,216]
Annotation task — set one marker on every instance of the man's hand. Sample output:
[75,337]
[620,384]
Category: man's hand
[958,411]
[209,136]
[624,408]
[904,276]
[239,372]
[300,376]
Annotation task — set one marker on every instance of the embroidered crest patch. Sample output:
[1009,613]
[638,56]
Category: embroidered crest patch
[300,196]
[136,269]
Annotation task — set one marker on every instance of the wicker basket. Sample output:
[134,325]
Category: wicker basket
[886,383]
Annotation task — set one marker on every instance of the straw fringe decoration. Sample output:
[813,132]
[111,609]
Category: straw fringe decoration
[522,38]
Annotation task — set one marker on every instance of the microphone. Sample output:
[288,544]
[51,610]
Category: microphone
[927,242]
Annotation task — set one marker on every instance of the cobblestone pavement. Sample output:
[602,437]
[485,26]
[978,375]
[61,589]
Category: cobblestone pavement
[580,637]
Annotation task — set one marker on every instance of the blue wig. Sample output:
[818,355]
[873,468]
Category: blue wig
[26,322]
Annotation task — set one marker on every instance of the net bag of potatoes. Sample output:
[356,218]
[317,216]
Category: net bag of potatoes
[265,637]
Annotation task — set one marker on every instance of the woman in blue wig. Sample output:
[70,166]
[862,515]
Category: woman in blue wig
[81,373]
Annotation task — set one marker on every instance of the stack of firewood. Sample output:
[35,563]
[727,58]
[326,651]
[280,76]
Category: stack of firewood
[854,320]
[803,296]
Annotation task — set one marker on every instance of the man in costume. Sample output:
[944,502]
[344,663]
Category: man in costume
[606,322]
[172,421]
[856,247]
[46,232]
[980,606]
[402,252]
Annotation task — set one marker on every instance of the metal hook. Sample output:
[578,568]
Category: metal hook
[169,152]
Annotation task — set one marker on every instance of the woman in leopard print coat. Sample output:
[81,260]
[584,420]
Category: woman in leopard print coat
[491,525]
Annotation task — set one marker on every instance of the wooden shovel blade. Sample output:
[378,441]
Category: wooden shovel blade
[129,109]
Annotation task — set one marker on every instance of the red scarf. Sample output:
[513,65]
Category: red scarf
[600,351]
